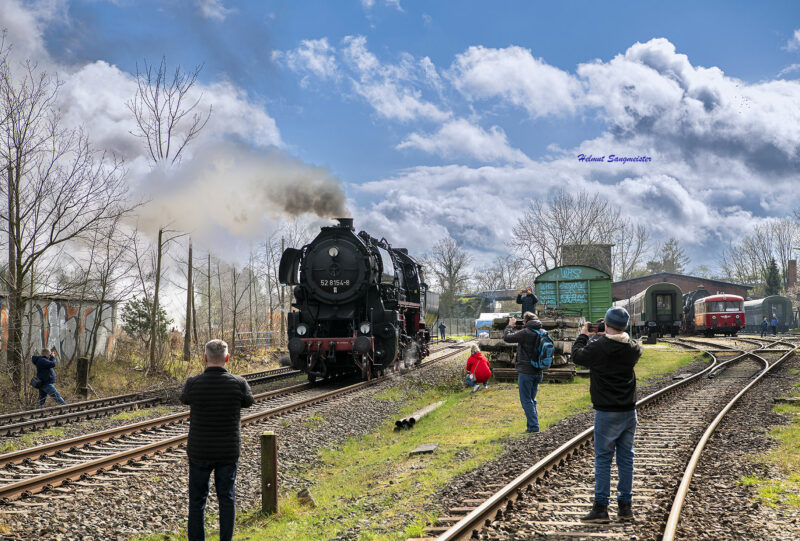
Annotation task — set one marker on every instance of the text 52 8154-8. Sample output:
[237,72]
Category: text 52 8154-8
[334,283]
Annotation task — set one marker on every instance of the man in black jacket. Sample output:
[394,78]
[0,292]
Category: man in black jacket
[528,300]
[216,398]
[528,377]
[45,364]
[612,386]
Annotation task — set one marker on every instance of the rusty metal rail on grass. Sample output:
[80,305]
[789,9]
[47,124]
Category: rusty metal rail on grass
[41,482]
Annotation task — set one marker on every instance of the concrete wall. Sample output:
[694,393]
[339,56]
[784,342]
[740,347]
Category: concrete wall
[54,322]
[628,288]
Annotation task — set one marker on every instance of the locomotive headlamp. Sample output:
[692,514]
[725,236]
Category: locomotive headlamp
[364,327]
[302,329]
[333,252]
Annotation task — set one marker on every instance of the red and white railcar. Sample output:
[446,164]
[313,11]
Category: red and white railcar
[719,314]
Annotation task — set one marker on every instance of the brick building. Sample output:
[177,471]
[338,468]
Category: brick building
[625,289]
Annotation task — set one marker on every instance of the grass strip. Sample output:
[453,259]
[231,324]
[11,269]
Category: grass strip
[370,488]
[784,458]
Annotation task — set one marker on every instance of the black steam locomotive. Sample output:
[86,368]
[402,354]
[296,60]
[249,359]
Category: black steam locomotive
[360,304]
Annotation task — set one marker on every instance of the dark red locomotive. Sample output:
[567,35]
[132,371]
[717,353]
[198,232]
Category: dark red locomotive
[719,314]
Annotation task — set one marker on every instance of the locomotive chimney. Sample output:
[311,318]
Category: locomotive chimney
[346,222]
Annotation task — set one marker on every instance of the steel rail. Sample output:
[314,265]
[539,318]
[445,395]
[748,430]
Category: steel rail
[683,488]
[472,522]
[14,428]
[40,482]
[47,449]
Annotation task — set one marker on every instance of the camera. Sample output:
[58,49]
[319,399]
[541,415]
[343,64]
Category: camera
[597,327]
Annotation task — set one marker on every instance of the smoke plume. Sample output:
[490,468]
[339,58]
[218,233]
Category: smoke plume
[229,190]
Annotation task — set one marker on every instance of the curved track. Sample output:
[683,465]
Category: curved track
[40,468]
[547,500]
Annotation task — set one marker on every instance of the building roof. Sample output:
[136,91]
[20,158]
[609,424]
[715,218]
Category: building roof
[711,280]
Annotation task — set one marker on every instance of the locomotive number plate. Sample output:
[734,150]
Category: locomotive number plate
[329,283]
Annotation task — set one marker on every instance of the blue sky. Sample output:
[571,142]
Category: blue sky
[446,118]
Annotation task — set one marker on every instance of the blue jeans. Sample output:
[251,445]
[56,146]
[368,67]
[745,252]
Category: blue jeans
[49,390]
[528,388]
[224,480]
[614,430]
[468,381]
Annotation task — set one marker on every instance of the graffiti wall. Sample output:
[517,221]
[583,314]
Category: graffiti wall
[66,324]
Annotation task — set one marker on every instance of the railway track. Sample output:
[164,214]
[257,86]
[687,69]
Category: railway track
[26,421]
[546,501]
[30,471]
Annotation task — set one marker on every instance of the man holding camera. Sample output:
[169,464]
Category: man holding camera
[528,300]
[610,359]
[216,398]
[528,377]
[45,365]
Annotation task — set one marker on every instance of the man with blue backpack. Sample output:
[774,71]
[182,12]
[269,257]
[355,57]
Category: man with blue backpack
[534,354]
[612,387]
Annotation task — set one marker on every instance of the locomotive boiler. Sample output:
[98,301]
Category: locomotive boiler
[360,305]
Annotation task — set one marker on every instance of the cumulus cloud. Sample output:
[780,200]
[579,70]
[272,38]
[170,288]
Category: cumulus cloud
[313,56]
[514,75]
[460,138]
[794,42]
[213,9]
[389,89]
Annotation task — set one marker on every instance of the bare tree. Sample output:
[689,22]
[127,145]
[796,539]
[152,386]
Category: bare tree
[563,219]
[630,246]
[167,116]
[58,187]
[505,272]
[448,264]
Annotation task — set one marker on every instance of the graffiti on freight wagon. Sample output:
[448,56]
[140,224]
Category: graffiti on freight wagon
[68,325]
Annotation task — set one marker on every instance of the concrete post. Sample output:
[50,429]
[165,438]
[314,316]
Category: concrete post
[83,377]
[269,473]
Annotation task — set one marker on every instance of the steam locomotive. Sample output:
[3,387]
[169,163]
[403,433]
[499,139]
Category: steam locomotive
[360,305]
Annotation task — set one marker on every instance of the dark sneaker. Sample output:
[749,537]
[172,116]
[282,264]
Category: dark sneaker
[624,512]
[598,514]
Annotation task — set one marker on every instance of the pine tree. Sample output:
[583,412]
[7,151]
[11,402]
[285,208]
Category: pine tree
[673,258]
[773,278]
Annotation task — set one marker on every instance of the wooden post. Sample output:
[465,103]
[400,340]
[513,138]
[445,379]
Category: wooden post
[83,377]
[269,473]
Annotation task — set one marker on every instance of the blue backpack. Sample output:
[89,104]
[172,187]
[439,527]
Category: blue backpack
[545,352]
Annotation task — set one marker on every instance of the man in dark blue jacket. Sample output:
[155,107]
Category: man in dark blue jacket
[216,397]
[528,377]
[764,327]
[528,300]
[45,364]
[612,387]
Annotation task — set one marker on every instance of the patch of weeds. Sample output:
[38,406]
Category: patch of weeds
[392,394]
[314,421]
[784,458]
[285,422]
[31,439]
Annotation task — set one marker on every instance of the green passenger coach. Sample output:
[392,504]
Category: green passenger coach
[576,289]
[656,311]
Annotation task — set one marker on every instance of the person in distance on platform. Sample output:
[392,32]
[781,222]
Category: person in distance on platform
[45,365]
[528,300]
[612,388]
[528,377]
[764,327]
[478,370]
[774,324]
[215,398]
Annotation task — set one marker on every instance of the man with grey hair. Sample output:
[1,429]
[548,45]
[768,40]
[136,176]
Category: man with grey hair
[216,397]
